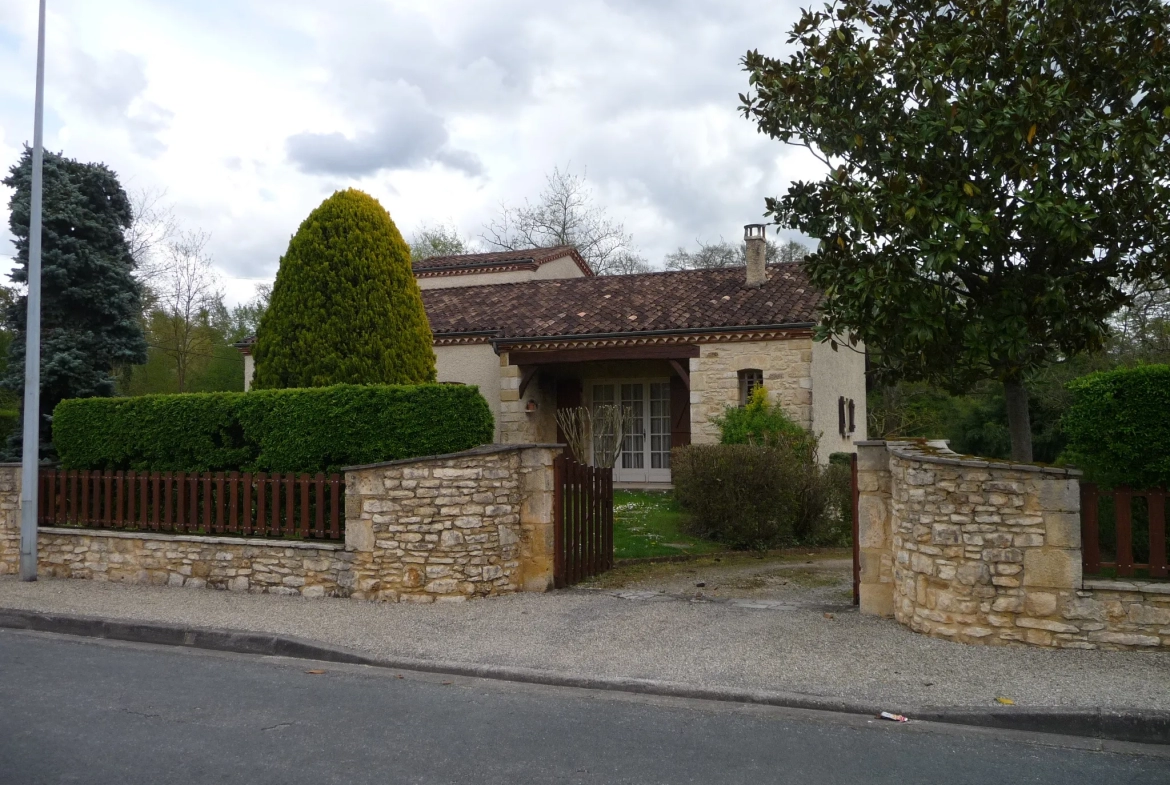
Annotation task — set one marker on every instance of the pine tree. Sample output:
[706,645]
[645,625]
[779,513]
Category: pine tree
[345,307]
[90,302]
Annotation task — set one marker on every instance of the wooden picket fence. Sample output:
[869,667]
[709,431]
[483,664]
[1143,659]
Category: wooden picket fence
[295,506]
[1107,519]
[582,521]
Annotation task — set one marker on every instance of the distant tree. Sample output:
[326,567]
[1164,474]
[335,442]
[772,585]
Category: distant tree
[565,214]
[712,256]
[153,227]
[438,240]
[998,177]
[90,302]
[244,320]
[345,306]
[187,289]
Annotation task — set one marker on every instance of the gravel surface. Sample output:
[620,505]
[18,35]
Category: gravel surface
[648,635]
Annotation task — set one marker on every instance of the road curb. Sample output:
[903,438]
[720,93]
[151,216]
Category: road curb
[1137,725]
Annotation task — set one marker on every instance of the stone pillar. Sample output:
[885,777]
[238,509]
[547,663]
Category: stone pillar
[536,518]
[9,518]
[873,529]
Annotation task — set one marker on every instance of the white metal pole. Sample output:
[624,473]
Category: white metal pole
[32,350]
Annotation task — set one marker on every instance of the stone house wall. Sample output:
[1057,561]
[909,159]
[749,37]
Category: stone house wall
[985,552]
[443,528]
[787,367]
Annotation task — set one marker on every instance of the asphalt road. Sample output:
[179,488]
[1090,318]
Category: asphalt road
[87,711]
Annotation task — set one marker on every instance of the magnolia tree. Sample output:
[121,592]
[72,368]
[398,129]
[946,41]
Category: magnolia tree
[997,177]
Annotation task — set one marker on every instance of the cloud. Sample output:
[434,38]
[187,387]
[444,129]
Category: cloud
[112,91]
[406,135]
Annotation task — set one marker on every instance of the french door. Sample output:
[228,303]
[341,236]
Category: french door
[645,451]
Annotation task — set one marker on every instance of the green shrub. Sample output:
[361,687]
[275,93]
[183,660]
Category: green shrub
[345,307]
[9,423]
[758,497]
[761,422]
[1118,426]
[302,430]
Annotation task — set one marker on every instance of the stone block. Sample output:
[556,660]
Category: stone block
[1062,529]
[872,519]
[359,534]
[1040,603]
[1058,495]
[1084,608]
[1007,605]
[1038,637]
[1053,568]
[971,573]
[877,599]
[1045,624]
[1125,639]
[1149,614]
[945,534]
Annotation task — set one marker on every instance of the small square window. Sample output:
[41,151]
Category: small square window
[749,380]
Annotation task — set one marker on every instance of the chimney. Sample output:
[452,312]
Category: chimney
[757,251]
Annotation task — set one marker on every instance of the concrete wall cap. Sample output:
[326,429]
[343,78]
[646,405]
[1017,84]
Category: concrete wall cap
[486,449]
[926,451]
[1126,586]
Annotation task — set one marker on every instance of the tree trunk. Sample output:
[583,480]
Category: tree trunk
[1019,424]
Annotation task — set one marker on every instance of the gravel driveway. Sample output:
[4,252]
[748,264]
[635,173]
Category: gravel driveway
[750,643]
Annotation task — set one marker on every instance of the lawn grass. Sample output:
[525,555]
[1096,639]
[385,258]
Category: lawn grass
[649,523]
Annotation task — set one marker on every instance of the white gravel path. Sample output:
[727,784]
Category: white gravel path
[595,633]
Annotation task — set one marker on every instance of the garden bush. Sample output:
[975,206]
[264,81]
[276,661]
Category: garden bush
[345,307]
[758,497]
[1118,426]
[761,422]
[302,430]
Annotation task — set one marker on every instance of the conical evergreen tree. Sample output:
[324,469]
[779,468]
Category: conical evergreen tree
[345,307]
[90,301]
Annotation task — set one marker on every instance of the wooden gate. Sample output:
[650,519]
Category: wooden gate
[582,521]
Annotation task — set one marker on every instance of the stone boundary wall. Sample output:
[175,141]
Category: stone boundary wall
[452,527]
[441,528]
[988,552]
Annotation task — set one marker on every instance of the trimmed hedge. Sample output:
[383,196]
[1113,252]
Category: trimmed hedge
[302,430]
[1118,426]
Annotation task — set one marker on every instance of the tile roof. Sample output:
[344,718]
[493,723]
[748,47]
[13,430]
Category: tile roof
[690,300]
[474,262]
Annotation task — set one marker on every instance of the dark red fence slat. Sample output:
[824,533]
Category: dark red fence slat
[1156,504]
[1123,512]
[1090,529]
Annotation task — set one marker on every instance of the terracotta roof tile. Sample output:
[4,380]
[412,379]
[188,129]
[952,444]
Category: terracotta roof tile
[688,300]
[531,257]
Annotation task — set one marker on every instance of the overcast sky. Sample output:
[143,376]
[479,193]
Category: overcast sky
[250,112]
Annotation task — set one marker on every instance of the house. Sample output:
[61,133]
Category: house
[537,331]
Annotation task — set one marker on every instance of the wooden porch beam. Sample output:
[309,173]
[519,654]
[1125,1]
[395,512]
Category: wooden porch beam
[526,376]
[551,356]
[682,373]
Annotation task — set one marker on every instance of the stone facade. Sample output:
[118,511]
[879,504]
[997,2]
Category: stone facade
[453,527]
[787,367]
[986,552]
[443,528]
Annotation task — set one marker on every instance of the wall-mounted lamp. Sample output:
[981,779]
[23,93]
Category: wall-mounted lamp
[530,407]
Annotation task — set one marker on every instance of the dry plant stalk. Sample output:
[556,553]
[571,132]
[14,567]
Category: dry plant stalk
[611,424]
[577,425]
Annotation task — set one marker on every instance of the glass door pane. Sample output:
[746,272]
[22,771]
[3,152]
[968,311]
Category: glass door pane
[660,425]
[603,395]
[634,443]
